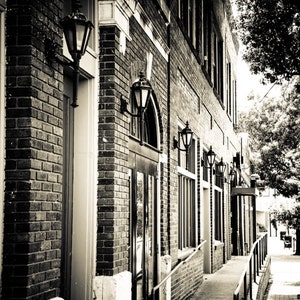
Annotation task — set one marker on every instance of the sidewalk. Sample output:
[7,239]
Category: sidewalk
[222,284]
[285,272]
[285,276]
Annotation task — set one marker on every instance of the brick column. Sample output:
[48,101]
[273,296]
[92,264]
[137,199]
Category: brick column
[113,192]
[33,174]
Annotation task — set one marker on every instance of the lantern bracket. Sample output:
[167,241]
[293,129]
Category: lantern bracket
[124,108]
[175,145]
[186,134]
[52,50]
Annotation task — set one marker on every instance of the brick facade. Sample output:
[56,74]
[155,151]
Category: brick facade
[132,36]
[33,173]
[113,211]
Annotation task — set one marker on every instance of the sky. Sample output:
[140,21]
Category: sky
[248,83]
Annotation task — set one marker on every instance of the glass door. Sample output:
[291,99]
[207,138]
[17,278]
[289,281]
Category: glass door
[143,237]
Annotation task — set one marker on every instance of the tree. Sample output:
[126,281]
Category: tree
[292,219]
[274,130]
[270,30]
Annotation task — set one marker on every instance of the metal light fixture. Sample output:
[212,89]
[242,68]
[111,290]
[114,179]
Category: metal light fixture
[140,93]
[186,136]
[211,156]
[77,30]
[221,167]
[232,175]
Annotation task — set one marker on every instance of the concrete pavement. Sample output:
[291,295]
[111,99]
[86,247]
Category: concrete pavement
[222,284]
[284,283]
[285,272]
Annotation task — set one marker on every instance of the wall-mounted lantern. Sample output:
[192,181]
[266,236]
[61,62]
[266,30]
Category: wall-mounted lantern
[221,167]
[211,156]
[77,30]
[232,175]
[186,135]
[140,93]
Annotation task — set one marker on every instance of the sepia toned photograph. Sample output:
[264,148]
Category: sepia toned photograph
[149,149]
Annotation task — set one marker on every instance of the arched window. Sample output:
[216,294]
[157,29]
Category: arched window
[150,123]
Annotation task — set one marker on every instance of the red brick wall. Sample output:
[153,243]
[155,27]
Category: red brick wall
[33,174]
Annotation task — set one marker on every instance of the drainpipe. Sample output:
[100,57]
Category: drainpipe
[169,125]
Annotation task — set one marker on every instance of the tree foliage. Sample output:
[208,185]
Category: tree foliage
[291,217]
[270,30]
[274,130]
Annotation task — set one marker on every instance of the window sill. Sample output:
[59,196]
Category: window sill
[218,245]
[183,254]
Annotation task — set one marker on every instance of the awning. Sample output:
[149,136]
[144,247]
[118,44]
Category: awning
[244,191]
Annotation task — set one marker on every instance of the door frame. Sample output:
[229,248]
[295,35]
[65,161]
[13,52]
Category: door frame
[145,161]
[81,218]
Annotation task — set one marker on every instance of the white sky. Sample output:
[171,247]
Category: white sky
[248,83]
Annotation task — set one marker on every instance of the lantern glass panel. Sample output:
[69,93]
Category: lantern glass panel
[186,138]
[69,38]
[221,167]
[211,155]
[80,29]
[88,30]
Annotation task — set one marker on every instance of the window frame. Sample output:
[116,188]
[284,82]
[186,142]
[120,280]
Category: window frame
[151,133]
[187,203]
[217,62]
[190,16]
[201,29]
[218,215]
[229,94]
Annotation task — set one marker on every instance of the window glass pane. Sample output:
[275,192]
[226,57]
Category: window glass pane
[150,134]
[218,216]
[187,208]
[205,168]
[187,212]
[140,220]
[186,159]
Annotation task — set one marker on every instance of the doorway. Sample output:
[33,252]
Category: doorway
[143,228]
[79,192]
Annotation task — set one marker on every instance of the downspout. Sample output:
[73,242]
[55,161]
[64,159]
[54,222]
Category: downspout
[169,127]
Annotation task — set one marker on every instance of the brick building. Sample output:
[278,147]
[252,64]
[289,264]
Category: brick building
[97,203]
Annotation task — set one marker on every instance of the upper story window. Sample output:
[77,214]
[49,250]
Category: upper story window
[200,26]
[217,63]
[229,93]
[206,36]
[190,15]
[231,108]
[234,103]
